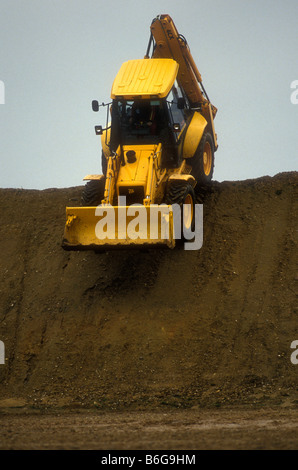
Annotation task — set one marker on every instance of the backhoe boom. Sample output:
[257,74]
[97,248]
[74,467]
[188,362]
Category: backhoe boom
[169,44]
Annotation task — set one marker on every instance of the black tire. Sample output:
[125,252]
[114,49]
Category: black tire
[182,193]
[93,193]
[203,172]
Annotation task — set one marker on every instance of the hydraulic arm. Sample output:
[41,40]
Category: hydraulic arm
[167,43]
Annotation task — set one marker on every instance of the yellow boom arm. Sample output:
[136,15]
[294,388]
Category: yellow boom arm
[172,45]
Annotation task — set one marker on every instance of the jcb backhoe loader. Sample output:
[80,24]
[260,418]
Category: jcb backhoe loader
[157,146]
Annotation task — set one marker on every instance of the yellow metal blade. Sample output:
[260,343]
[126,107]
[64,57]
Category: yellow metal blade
[106,226]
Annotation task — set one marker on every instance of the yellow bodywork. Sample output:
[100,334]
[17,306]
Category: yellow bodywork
[145,78]
[110,226]
[140,171]
[144,173]
[193,135]
[135,174]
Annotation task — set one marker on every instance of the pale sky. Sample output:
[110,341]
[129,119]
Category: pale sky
[56,56]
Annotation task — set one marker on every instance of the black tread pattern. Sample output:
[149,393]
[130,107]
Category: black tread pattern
[93,193]
[196,162]
[176,192]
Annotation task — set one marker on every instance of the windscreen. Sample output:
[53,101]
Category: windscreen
[137,121]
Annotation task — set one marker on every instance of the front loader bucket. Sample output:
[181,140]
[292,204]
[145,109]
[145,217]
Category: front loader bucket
[106,227]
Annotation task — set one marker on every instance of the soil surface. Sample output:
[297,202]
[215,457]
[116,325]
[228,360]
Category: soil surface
[233,429]
[179,340]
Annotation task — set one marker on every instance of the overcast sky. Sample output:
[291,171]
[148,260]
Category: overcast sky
[56,56]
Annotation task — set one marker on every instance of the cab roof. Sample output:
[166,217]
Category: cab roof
[145,78]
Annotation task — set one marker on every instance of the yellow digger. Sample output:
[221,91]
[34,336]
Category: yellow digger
[157,148]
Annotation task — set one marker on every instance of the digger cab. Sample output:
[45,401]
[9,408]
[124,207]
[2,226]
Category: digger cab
[147,122]
[148,108]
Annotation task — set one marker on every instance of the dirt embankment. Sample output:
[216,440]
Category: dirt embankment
[179,328]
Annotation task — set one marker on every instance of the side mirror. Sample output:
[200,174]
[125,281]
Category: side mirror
[98,130]
[95,105]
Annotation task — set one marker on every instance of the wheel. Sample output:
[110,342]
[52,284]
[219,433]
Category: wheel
[93,193]
[202,162]
[183,194]
[188,213]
